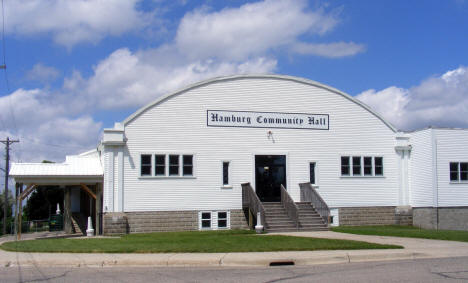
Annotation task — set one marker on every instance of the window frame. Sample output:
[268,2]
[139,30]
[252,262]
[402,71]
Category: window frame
[459,172]
[315,172]
[229,184]
[150,165]
[201,219]
[225,219]
[156,165]
[362,167]
[183,165]
[214,220]
[167,163]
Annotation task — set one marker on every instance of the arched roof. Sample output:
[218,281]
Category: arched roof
[260,76]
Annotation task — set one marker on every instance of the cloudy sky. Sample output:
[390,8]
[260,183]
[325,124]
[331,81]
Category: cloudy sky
[77,66]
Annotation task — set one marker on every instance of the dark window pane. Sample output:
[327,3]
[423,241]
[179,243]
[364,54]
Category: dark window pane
[187,168]
[160,170]
[345,165]
[378,162]
[225,173]
[145,166]
[145,170]
[206,220]
[463,166]
[453,166]
[222,223]
[464,176]
[222,215]
[453,176]
[378,171]
[146,159]
[206,223]
[173,165]
[356,165]
[312,172]
[367,165]
[160,165]
[188,159]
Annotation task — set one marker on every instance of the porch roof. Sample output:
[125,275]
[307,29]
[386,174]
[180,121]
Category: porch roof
[85,167]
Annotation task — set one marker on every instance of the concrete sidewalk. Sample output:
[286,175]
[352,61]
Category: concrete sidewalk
[414,249]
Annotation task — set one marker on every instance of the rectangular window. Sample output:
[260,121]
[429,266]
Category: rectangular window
[225,173]
[173,165]
[453,171]
[222,219]
[159,165]
[312,172]
[345,166]
[378,166]
[145,165]
[206,220]
[367,166]
[458,171]
[187,168]
[356,165]
[463,171]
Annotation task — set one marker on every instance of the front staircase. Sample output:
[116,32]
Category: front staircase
[277,219]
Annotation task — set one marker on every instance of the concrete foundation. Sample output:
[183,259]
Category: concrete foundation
[444,218]
[375,215]
[161,221]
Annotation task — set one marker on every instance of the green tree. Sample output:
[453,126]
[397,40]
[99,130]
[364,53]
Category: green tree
[10,203]
[43,202]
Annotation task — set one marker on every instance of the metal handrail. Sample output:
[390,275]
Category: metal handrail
[309,194]
[290,206]
[250,200]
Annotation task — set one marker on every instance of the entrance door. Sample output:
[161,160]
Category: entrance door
[270,174]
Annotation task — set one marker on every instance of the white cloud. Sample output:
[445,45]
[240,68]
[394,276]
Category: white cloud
[438,101]
[46,130]
[42,73]
[256,28]
[72,22]
[127,79]
[330,50]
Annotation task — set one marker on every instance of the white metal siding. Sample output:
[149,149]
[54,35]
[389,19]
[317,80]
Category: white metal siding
[178,125]
[421,176]
[452,146]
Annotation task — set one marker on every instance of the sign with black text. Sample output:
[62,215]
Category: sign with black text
[247,119]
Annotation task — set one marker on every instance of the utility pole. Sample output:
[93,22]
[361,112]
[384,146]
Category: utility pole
[7,143]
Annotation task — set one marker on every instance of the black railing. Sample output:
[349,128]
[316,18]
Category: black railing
[309,194]
[251,201]
[290,206]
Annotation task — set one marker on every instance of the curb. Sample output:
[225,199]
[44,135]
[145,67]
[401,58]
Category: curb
[202,260]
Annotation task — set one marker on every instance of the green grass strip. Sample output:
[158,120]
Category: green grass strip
[190,242]
[405,231]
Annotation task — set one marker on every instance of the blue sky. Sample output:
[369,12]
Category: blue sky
[75,67]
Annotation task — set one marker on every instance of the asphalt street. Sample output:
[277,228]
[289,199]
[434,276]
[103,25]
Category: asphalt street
[421,270]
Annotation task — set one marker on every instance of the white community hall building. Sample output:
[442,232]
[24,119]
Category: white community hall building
[283,152]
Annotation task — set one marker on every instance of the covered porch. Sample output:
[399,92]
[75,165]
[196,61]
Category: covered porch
[80,177]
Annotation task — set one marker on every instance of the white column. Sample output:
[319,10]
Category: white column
[120,179]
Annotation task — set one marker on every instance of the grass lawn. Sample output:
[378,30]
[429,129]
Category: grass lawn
[190,242]
[405,231]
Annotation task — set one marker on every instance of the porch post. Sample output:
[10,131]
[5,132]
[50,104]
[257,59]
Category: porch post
[67,223]
[98,208]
